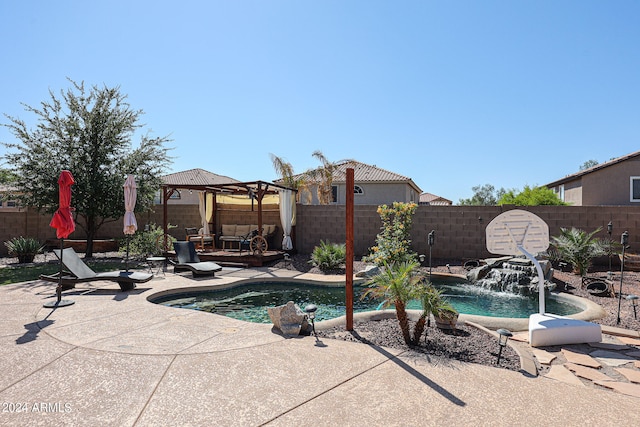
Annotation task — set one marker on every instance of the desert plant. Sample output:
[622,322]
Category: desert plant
[578,248]
[145,243]
[328,256]
[433,303]
[25,248]
[398,284]
[393,243]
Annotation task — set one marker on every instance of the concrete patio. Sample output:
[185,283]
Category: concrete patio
[114,358]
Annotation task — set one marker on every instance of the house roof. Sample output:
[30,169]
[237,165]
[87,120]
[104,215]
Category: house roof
[363,172]
[595,168]
[432,199]
[194,178]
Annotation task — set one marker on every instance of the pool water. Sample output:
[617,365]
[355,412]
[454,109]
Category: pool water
[249,302]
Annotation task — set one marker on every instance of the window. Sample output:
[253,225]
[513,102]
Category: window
[358,190]
[334,194]
[634,190]
[561,192]
[175,195]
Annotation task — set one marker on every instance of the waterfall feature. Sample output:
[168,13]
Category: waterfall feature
[508,274]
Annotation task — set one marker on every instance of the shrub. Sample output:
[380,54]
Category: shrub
[393,243]
[328,256]
[147,242]
[25,248]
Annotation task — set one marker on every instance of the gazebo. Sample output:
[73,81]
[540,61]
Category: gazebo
[254,192]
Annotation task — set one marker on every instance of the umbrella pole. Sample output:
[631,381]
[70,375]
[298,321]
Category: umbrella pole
[59,301]
[59,288]
[126,260]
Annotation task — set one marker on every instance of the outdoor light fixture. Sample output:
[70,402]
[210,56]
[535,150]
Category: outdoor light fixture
[311,314]
[502,341]
[609,231]
[634,303]
[421,258]
[624,241]
[431,239]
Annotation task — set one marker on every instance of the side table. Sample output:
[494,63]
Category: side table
[156,264]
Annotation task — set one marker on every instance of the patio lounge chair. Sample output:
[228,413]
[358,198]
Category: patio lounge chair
[79,272]
[188,260]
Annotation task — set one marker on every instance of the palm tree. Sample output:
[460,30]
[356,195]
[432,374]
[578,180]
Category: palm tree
[578,248]
[298,182]
[398,284]
[323,177]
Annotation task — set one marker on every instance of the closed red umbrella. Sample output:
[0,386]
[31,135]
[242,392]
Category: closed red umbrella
[62,219]
[63,222]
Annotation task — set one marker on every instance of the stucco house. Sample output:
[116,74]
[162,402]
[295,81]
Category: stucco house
[433,200]
[372,186]
[612,183]
[8,204]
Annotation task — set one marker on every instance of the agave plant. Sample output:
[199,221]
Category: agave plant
[328,256]
[398,284]
[25,248]
[578,248]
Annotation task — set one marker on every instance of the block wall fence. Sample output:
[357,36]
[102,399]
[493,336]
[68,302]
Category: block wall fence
[459,230]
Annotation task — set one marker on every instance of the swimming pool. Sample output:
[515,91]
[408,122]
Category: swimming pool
[249,301]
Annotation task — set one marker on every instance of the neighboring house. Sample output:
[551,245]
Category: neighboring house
[189,179]
[7,204]
[433,200]
[372,186]
[612,183]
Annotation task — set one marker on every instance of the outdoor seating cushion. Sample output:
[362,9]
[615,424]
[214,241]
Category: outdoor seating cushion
[201,237]
[188,260]
[242,230]
[80,272]
[228,230]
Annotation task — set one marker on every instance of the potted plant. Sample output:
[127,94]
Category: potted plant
[446,316]
[25,248]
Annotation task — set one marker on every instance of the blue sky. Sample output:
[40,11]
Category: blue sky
[452,94]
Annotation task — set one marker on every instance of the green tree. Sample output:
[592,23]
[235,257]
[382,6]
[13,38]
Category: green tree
[87,131]
[7,176]
[483,195]
[589,164]
[531,197]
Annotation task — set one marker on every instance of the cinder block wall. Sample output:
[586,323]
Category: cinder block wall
[460,230]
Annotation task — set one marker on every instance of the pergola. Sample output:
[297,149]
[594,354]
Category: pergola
[255,190]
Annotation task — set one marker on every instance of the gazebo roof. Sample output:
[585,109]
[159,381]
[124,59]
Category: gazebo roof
[251,187]
[195,179]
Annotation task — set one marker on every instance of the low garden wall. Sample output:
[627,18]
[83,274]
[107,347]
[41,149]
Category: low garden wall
[459,230]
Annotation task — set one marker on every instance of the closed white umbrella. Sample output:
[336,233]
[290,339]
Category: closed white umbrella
[130,224]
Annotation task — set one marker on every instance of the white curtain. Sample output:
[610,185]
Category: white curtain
[203,213]
[286,217]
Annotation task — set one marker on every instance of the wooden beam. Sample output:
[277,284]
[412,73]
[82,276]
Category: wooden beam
[349,246]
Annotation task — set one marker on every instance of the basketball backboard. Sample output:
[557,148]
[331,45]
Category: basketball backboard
[515,229]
